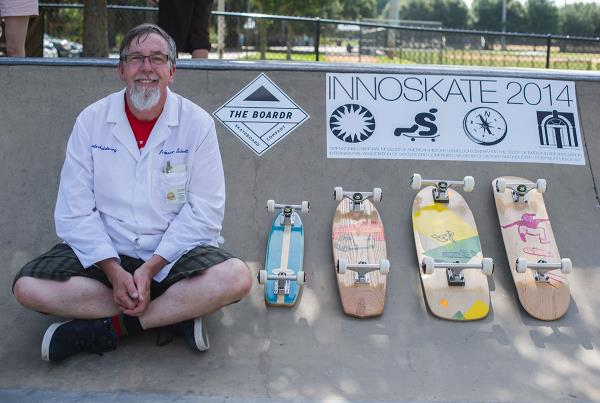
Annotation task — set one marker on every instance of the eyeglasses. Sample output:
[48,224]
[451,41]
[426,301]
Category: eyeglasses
[135,59]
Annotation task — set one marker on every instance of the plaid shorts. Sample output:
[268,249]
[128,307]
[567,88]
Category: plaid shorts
[60,263]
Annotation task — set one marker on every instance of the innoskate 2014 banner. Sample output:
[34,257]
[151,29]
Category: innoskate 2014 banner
[460,118]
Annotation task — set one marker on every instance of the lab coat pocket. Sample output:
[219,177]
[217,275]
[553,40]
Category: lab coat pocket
[173,188]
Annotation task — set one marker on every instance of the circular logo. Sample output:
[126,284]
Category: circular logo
[170,196]
[485,126]
[352,123]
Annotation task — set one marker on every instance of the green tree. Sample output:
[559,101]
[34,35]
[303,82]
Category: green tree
[451,13]
[542,16]
[487,15]
[417,10]
[580,19]
[357,10]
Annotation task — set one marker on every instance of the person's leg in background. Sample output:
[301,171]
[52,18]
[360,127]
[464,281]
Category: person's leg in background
[198,38]
[16,32]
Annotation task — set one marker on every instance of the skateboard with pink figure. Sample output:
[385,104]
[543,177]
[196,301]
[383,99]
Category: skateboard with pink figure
[536,266]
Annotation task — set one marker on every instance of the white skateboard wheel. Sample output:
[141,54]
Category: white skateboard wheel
[469,184]
[428,265]
[338,193]
[262,277]
[384,266]
[342,266]
[415,182]
[540,185]
[271,206]
[305,207]
[500,185]
[566,265]
[301,278]
[487,266]
[377,195]
[521,265]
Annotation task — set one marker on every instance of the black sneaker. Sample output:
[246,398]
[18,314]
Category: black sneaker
[194,332]
[64,339]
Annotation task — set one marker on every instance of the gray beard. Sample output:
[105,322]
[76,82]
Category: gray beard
[143,99]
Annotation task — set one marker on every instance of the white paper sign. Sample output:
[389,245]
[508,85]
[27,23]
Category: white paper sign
[461,118]
[261,114]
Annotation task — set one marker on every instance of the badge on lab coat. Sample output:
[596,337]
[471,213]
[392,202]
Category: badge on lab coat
[174,179]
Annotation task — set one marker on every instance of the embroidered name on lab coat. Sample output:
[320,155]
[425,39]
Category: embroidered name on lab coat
[169,152]
[104,148]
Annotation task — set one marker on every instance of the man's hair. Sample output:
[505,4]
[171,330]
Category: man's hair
[141,32]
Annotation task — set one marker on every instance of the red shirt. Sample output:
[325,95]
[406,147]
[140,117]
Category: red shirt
[141,128]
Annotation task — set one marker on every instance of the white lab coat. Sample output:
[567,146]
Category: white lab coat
[112,197]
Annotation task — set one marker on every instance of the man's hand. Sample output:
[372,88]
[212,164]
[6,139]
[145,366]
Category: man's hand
[125,292]
[142,278]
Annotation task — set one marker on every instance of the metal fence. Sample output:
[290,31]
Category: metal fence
[250,36]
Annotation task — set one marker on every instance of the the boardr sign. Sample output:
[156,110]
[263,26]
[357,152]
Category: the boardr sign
[261,114]
[452,118]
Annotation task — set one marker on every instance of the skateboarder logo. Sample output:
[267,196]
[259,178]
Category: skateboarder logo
[352,123]
[423,120]
[530,225]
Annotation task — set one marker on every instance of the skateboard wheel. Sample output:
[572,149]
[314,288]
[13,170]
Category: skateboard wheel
[338,193]
[428,265]
[384,266]
[487,266]
[565,265]
[305,207]
[342,266]
[540,185]
[301,278]
[521,265]
[271,206]
[500,185]
[469,184]
[415,182]
[377,195]
[262,277]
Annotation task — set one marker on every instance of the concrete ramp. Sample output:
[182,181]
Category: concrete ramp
[311,352]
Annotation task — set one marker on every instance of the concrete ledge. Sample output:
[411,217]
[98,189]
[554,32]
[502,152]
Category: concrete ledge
[242,65]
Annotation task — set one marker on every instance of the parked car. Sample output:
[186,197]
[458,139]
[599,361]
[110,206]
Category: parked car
[65,47]
[49,49]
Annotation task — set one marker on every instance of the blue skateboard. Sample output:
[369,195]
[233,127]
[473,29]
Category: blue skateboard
[283,276]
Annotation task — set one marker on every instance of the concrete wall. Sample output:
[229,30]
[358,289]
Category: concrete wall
[312,351]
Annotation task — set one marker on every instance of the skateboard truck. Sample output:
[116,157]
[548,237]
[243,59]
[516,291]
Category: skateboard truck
[519,191]
[362,269]
[542,267]
[357,198]
[440,187]
[282,279]
[454,269]
[287,218]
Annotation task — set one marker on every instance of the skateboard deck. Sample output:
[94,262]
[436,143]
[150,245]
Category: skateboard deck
[527,233]
[447,233]
[359,237]
[285,256]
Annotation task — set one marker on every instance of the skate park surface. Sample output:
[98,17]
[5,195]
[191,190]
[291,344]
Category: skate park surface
[312,352]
